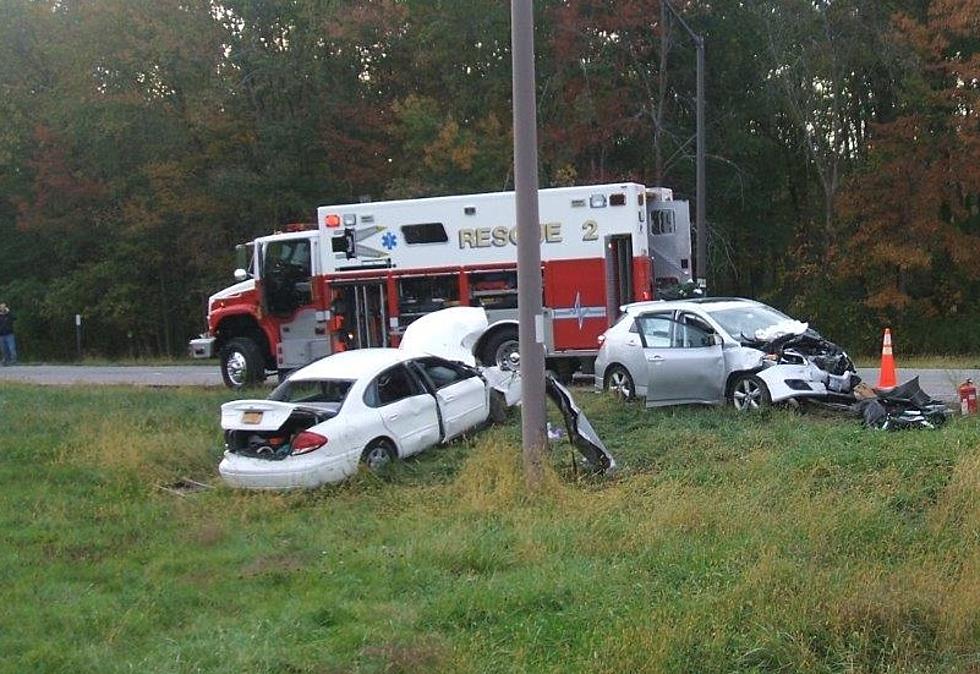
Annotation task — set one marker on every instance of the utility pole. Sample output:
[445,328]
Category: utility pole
[531,320]
[700,228]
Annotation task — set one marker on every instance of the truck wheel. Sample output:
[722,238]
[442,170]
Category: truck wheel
[242,363]
[499,347]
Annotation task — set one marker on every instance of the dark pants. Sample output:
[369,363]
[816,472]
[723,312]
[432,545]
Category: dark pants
[9,349]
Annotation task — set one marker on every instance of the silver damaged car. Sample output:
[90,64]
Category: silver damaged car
[709,350]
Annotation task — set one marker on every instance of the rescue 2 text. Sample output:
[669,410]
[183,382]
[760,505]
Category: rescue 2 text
[487,237]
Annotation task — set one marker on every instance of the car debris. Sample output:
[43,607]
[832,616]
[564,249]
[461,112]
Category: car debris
[580,430]
[904,407]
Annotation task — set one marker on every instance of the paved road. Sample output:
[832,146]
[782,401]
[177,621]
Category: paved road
[164,375]
[939,383]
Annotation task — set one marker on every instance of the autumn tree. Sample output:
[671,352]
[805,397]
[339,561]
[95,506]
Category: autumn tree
[915,207]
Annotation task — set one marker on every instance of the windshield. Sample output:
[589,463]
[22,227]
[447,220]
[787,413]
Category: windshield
[745,321]
[332,391]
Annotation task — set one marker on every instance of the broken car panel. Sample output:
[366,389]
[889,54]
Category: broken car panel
[580,430]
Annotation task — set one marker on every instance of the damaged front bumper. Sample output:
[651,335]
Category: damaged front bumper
[787,381]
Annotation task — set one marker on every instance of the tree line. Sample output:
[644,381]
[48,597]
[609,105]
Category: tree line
[140,140]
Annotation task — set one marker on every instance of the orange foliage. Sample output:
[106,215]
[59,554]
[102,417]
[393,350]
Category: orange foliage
[914,210]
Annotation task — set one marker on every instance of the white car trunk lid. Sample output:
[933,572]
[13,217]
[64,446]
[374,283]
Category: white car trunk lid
[255,415]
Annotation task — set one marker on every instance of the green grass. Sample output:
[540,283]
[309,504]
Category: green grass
[775,542]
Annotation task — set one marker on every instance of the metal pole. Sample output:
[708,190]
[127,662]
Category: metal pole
[702,229]
[531,320]
[700,226]
[78,335]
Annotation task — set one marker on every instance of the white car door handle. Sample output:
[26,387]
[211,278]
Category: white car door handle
[393,416]
[449,398]
[655,359]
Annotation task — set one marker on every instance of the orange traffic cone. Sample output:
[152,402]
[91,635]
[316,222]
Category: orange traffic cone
[887,377]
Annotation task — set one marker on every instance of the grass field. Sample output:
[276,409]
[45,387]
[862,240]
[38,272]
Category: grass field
[769,543]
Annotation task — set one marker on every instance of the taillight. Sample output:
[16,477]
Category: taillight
[307,441]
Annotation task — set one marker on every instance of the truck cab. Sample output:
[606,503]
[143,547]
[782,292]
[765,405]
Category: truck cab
[275,302]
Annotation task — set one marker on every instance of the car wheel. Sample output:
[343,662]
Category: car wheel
[242,363]
[750,393]
[620,383]
[378,455]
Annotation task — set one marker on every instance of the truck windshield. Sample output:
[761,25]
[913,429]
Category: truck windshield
[332,391]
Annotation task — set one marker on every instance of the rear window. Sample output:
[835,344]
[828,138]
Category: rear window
[332,391]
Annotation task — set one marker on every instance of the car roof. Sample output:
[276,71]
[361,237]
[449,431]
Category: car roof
[355,364]
[702,303]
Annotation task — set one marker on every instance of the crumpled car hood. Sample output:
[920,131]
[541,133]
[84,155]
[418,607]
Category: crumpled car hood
[789,327]
[448,333]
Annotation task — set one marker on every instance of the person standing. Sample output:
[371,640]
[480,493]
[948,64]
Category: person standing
[9,346]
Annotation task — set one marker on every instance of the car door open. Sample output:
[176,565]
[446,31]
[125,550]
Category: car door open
[685,363]
[461,393]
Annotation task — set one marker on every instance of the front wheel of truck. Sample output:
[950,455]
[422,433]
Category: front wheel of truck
[242,363]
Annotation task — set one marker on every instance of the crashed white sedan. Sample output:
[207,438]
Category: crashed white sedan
[710,350]
[367,406]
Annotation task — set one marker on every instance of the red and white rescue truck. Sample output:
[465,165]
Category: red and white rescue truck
[365,271]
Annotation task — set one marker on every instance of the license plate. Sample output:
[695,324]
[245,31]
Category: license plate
[251,417]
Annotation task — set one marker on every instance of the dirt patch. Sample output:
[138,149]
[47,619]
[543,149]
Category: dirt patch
[278,564]
[425,655]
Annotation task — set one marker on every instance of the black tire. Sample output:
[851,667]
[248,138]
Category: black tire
[750,393]
[378,455]
[242,363]
[498,346]
[620,383]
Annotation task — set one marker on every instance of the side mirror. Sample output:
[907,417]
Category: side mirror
[716,339]
[240,274]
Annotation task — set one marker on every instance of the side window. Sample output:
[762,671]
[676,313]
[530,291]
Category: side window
[661,222]
[390,386]
[442,373]
[655,330]
[429,232]
[692,332]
